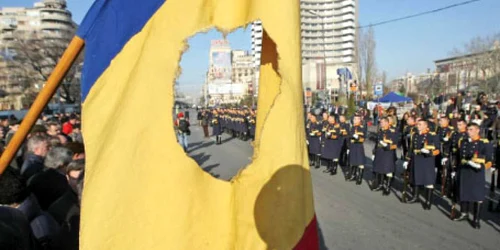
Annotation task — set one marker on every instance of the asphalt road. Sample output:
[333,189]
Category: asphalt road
[353,217]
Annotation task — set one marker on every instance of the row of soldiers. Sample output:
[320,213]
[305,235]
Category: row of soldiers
[337,142]
[239,123]
[455,159]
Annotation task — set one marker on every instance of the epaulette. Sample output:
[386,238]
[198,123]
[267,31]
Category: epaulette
[392,130]
[485,140]
[432,133]
[336,126]
[451,127]
[361,126]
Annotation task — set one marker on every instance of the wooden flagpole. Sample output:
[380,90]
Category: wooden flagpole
[43,98]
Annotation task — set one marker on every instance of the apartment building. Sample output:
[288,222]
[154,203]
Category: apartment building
[47,20]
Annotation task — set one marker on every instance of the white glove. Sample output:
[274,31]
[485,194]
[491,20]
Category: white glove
[307,142]
[443,161]
[474,165]
[312,134]
[405,165]
[355,136]
[373,157]
[453,174]
[328,134]
[425,151]
[493,170]
[383,143]
[446,139]
[348,151]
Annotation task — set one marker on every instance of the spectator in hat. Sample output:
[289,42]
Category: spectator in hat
[68,126]
[38,147]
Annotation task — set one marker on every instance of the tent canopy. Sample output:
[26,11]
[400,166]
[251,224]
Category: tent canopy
[393,97]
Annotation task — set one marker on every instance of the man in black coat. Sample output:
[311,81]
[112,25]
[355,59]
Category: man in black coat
[38,146]
[51,183]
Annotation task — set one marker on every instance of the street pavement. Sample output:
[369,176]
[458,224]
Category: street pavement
[353,217]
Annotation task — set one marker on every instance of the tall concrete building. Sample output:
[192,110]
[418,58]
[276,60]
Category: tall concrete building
[328,30]
[328,42]
[257,32]
[47,20]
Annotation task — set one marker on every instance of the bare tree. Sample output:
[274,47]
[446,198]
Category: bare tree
[367,61]
[383,77]
[36,56]
[481,62]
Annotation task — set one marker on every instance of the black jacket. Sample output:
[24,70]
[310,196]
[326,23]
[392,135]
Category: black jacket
[48,186]
[32,165]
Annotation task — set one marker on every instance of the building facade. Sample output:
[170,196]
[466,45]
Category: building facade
[328,30]
[328,43]
[257,32]
[243,70]
[229,75]
[48,21]
[462,72]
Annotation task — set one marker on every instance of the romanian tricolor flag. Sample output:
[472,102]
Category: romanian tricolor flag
[141,190]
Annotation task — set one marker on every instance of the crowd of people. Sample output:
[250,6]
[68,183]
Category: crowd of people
[40,191]
[449,150]
[237,122]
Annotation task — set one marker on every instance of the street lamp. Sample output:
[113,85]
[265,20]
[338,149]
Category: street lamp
[324,52]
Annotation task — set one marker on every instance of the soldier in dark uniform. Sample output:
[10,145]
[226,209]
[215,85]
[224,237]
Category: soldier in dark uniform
[332,145]
[445,133]
[308,129]
[252,121]
[432,124]
[408,131]
[216,127]
[314,141]
[383,157]
[422,154]
[344,133]
[459,135]
[324,127]
[475,157]
[356,151]
[393,121]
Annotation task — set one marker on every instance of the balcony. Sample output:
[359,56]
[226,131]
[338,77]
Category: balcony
[311,27]
[57,26]
[7,35]
[56,16]
[346,24]
[8,26]
[347,10]
[322,6]
[346,31]
[342,3]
